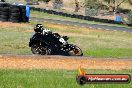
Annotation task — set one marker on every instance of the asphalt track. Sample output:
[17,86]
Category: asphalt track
[95,26]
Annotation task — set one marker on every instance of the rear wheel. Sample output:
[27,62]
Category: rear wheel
[76,52]
[40,50]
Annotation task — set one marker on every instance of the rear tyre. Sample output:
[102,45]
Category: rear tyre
[4,9]
[4,17]
[76,52]
[5,13]
[40,50]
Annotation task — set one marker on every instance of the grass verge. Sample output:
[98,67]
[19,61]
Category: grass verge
[53,79]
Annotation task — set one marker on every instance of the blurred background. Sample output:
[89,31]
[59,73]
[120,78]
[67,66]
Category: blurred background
[104,9]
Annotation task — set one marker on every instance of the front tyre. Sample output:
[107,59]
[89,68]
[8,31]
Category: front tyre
[76,52]
[40,50]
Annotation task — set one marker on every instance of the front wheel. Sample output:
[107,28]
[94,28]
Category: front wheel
[76,52]
[40,50]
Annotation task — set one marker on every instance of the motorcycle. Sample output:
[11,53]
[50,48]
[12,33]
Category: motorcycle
[49,45]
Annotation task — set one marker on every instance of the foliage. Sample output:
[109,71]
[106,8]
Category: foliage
[121,10]
[130,18]
[110,4]
[57,4]
[92,4]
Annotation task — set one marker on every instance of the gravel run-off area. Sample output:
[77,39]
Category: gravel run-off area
[61,62]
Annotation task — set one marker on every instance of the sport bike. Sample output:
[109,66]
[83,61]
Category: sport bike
[53,44]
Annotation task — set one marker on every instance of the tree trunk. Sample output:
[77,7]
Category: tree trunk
[77,6]
[111,5]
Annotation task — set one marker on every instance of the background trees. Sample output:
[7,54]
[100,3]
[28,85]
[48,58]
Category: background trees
[57,4]
[111,5]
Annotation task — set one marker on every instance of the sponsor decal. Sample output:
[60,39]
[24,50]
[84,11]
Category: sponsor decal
[84,78]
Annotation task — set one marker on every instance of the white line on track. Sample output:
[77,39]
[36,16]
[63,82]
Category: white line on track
[58,23]
[45,21]
[54,22]
[90,27]
[99,28]
[75,25]
[124,31]
[67,24]
[107,29]
[82,26]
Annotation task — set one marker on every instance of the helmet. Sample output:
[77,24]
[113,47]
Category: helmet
[38,28]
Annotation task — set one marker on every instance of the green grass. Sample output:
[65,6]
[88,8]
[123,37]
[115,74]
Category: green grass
[109,52]
[14,40]
[57,17]
[94,43]
[53,79]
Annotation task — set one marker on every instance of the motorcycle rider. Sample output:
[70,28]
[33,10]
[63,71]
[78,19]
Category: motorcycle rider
[46,32]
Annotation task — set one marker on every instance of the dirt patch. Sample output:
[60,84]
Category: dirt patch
[10,24]
[59,62]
